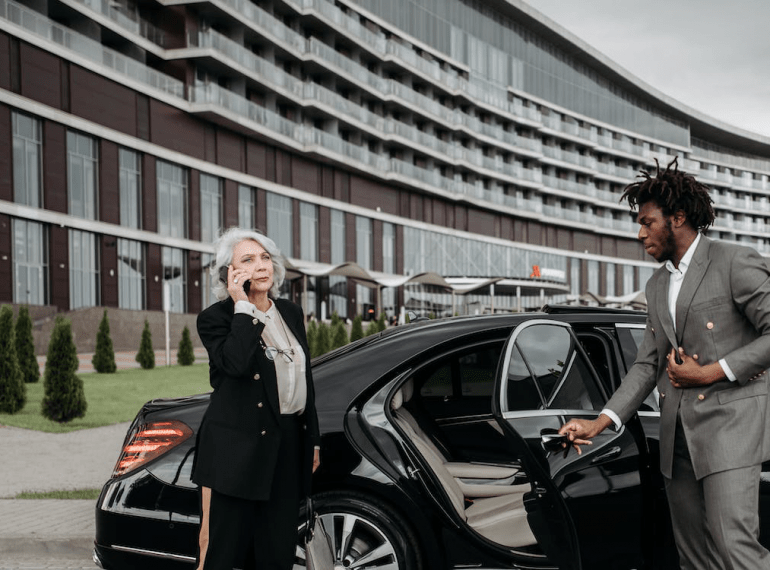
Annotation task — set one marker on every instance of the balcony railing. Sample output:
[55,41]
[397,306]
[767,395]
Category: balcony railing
[129,21]
[46,30]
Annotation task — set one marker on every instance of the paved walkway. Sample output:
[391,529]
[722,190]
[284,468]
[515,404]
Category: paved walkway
[57,534]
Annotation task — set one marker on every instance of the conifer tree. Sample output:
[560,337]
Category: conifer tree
[372,328]
[323,341]
[25,347]
[146,355]
[381,322]
[339,335]
[357,330]
[64,398]
[13,390]
[185,356]
[335,319]
[104,357]
[312,337]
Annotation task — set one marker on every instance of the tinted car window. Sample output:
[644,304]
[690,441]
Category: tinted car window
[558,370]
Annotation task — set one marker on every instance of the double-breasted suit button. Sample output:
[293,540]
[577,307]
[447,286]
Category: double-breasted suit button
[264,432]
[254,321]
[701,397]
[662,395]
[709,325]
[256,377]
[259,405]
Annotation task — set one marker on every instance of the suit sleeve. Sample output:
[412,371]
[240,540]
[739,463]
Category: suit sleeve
[231,341]
[639,381]
[750,285]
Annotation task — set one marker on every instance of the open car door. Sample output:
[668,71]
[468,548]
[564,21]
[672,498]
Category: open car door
[585,510]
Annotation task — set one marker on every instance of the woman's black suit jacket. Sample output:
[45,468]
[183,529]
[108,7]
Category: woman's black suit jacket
[239,438]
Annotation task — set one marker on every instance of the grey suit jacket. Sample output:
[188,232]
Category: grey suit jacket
[723,311]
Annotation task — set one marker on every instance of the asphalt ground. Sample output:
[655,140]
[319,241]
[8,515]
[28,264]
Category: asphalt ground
[50,533]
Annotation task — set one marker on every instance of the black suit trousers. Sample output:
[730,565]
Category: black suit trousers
[260,534]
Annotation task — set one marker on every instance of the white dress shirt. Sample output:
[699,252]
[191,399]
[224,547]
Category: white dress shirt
[292,388]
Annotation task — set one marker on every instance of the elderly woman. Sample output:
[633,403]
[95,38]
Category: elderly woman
[258,443]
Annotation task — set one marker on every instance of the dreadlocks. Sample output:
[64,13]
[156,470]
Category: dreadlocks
[673,190]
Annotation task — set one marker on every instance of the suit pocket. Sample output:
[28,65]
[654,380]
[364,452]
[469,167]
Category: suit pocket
[715,302]
[737,392]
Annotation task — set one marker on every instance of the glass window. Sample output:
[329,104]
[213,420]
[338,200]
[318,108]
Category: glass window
[82,175]
[174,278]
[30,263]
[84,269]
[547,356]
[593,277]
[280,222]
[211,207]
[27,161]
[364,249]
[172,200]
[338,292]
[131,274]
[130,181]
[246,205]
[308,231]
[611,291]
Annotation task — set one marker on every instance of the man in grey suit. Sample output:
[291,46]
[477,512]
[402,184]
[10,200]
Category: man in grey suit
[707,348]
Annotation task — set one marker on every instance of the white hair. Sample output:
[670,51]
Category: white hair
[225,245]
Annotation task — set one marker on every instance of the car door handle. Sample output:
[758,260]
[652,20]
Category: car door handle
[611,453]
[552,440]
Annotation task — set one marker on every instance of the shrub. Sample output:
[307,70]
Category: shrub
[104,357]
[323,341]
[372,328]
[25,347]
[146,355]
[382,322]
[185,356]
[64,398]
[339,334]
[13,390]
[357,330]
[335,319]
[312,337]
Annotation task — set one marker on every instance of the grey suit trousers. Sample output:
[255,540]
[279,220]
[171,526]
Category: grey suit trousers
[716,518]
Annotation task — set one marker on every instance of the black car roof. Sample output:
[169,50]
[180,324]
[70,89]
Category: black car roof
[341,375]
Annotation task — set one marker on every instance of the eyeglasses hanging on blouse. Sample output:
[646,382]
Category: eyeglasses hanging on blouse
[271,352]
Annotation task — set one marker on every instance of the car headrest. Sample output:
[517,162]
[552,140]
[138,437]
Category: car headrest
[402,395]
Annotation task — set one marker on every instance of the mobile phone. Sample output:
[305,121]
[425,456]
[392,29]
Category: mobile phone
[223,278]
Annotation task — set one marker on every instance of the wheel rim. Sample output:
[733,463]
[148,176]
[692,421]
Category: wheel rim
[358,544]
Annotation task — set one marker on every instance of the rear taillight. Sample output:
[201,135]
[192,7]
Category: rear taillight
[151,441]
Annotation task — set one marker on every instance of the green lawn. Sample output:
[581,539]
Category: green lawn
[114,398]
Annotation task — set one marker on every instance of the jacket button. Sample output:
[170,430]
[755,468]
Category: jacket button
[264,432]
[259,405]
[709,325]
[255,321]
[256,377]
[701,397]
[662,395]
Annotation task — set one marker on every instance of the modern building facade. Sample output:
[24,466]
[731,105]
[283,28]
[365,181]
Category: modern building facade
[473,139]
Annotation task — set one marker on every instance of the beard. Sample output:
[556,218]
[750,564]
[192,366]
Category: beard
[668,247]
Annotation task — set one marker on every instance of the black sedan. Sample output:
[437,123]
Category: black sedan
[439,450]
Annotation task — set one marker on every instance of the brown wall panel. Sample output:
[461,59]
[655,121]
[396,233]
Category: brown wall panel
[261,217]
[373,195]
[109,192]
[609,246]
[534,233]
[209,142]
[306,175]
[399,250]
[142,116]
[6,259]
[59,264]
[439,212]
[283,167]
[109,271]
[632,249]
[6,153]
[230,150]
[564,238]
[480,222]
[327,181]
[5,62]
[176,130]
[40,76]
[230,203]
[102,101]
[256,159]
[55,167]
[342,186]
[154,278]
[585,242]
[149,194]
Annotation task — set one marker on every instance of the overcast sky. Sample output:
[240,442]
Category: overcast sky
[711,55]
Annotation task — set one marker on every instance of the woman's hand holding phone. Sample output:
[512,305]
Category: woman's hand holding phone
[237,282]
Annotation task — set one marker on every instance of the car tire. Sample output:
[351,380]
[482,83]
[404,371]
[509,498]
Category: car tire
[368,528]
